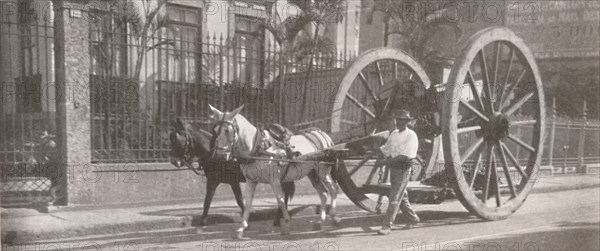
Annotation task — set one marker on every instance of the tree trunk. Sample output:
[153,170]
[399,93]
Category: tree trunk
[304,114]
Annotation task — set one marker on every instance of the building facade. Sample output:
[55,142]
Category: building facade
[105,84]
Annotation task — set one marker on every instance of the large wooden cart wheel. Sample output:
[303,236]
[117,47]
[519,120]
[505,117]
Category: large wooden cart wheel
[493,123]
[377,81]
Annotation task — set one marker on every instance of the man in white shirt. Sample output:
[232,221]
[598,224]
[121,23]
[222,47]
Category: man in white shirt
[400,151]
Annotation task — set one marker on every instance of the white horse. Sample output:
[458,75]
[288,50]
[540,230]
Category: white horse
[236,138]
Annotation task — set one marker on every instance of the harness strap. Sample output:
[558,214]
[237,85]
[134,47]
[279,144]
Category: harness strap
[256,142]
[314,140]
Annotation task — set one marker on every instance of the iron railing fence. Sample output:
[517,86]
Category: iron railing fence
[135,99]
[27,109]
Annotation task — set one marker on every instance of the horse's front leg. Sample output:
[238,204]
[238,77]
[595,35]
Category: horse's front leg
[237,192]
[322,192]
[251,189]
[211,185]
[276,186]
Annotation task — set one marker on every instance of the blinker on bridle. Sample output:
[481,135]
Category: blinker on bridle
[187,147]
[219,126]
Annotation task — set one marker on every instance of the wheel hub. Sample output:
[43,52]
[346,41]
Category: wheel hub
[497,128]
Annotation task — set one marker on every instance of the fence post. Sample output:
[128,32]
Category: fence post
[552,135]
[222,87]
[282,103]
[566,147]
[581,168]
[73,100]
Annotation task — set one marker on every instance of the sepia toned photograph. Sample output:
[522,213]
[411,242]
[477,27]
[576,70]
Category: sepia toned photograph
[321,125]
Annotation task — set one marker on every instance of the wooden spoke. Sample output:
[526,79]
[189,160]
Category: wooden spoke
[380,74]
[474,110]
[468,129]
[510,60]
[387,103]
[523,122]
[360,105]
[511,90]
[486,80]
[497,60]
[506,169]
[363,79]
[519,103]
[470,150]
[514,160]
[522,144]
[360,164]
[474,91]
[475,169]
[488,172]
[395,70]
[495,173]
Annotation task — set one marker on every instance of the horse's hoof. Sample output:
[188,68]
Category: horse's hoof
[336,221]
[317,226]
[239,235]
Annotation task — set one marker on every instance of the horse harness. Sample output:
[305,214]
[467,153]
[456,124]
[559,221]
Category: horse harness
[281,138]
[188,149]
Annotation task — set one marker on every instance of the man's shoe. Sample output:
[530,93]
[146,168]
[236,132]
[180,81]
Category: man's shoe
[385,230]
[410,225]
[414,221]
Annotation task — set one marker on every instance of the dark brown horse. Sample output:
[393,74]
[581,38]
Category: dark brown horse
[190,145]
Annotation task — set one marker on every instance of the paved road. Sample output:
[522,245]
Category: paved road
[567,220]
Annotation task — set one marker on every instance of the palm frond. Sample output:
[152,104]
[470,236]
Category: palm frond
[306,46]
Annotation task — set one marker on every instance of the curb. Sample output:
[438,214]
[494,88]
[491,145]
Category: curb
[18,237]
[570,187]
[24,236]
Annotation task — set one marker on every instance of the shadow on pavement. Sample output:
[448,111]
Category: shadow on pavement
[228,214]
[356,223]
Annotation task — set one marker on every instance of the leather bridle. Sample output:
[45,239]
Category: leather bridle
[256,149]
[218,129]
[188,152]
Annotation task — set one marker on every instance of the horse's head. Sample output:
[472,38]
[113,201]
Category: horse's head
[181,145]
[225,133]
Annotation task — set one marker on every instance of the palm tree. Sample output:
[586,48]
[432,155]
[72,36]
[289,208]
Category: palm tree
[146,27]
[302,34]
[142,23]
[415,30]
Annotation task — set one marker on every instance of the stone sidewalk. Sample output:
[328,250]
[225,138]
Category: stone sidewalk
[27,225]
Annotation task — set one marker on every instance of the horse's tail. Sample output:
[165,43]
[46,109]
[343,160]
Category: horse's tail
[289,189]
